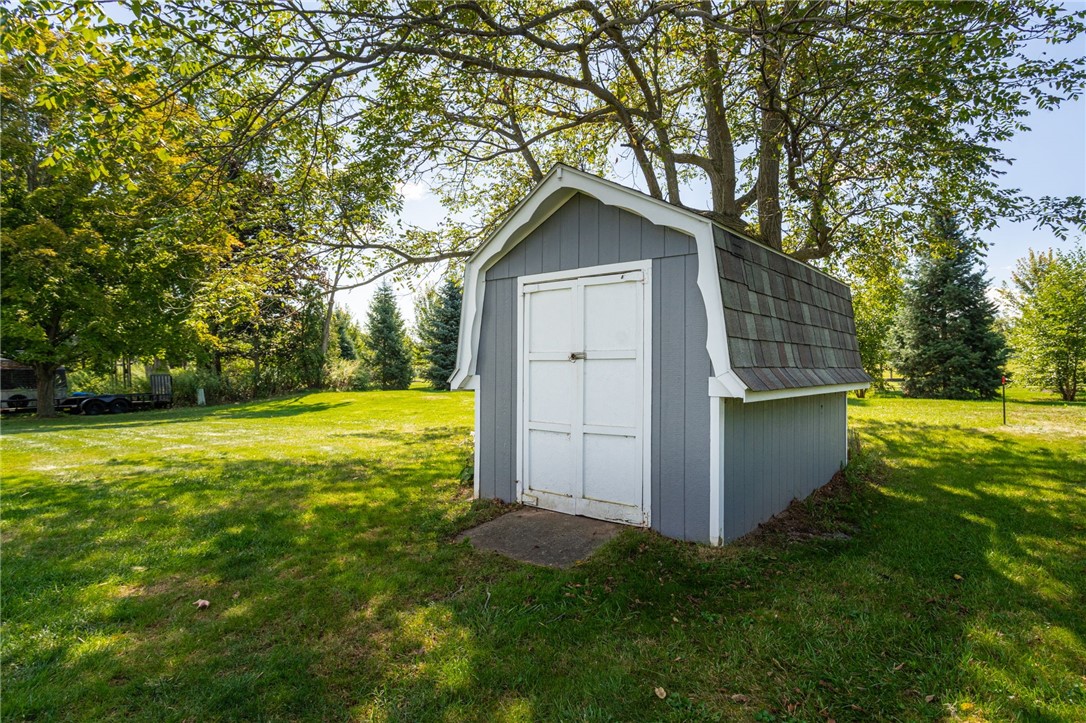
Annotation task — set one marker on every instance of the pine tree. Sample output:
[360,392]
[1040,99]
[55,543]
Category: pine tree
[947,347]
[388,357]
[439,331]
[345,334]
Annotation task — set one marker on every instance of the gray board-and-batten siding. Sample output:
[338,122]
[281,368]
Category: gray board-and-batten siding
[584,232]
[777,451]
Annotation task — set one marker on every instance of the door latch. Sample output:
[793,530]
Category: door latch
[575,355]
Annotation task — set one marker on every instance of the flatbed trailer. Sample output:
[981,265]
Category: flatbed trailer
[20,385]
[160,397]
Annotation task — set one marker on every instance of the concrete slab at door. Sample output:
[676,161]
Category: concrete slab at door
[542,537]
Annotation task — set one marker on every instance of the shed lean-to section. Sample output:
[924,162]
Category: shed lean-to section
[633,361]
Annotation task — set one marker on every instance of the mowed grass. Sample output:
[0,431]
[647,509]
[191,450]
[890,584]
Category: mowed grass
[319,527]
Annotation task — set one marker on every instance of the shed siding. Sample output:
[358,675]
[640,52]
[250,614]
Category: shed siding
[584,232]
[777,451]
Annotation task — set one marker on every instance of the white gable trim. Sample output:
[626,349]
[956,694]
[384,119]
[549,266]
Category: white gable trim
[556,188]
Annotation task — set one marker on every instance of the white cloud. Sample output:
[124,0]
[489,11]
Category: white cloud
[413,191]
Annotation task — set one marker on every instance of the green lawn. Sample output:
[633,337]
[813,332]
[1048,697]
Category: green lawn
[319,529]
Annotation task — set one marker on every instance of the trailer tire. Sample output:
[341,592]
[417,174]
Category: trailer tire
[18,401]
[93,407]
[120,406]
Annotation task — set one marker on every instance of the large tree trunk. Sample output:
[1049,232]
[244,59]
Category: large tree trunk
[46,374]
[768,183]
[769,179]
[721,147]
[1069,389]
[326,329]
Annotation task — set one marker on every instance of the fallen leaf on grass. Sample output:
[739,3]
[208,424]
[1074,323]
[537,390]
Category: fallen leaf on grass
[201,604]
[958,577]
[929,698]
[899,666]
[739,698]
[660,693]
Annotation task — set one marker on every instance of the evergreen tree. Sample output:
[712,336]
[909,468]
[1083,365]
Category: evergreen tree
[345,335]
[439,331]
[388,356]
[947,347]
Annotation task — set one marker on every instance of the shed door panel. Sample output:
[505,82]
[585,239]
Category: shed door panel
[584,436]
[550,398]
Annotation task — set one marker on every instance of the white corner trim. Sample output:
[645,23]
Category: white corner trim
[556,188]
[716,476]
[846,429]
[752,396]
[475,438]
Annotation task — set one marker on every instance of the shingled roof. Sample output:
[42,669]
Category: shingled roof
[788,325]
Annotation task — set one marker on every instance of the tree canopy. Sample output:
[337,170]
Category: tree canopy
[1047,297]
[810,122]
[116,242]
[98,260]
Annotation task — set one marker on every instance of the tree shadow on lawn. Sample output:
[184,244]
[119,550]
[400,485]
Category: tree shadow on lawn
[351,602]
[289,407]
[306,547]
[1010,518]
[851,630]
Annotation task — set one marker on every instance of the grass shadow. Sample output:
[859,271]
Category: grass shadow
[273,409]
[336,593]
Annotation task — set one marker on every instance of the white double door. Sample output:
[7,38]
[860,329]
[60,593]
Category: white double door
[583,397]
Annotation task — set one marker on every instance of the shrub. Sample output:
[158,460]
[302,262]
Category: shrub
[362,379]
[96,382]
[347,375]
[187,381]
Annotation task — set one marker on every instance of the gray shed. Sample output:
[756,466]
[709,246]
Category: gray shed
[634,361]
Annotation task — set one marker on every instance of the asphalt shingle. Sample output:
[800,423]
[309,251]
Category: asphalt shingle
[788,325]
